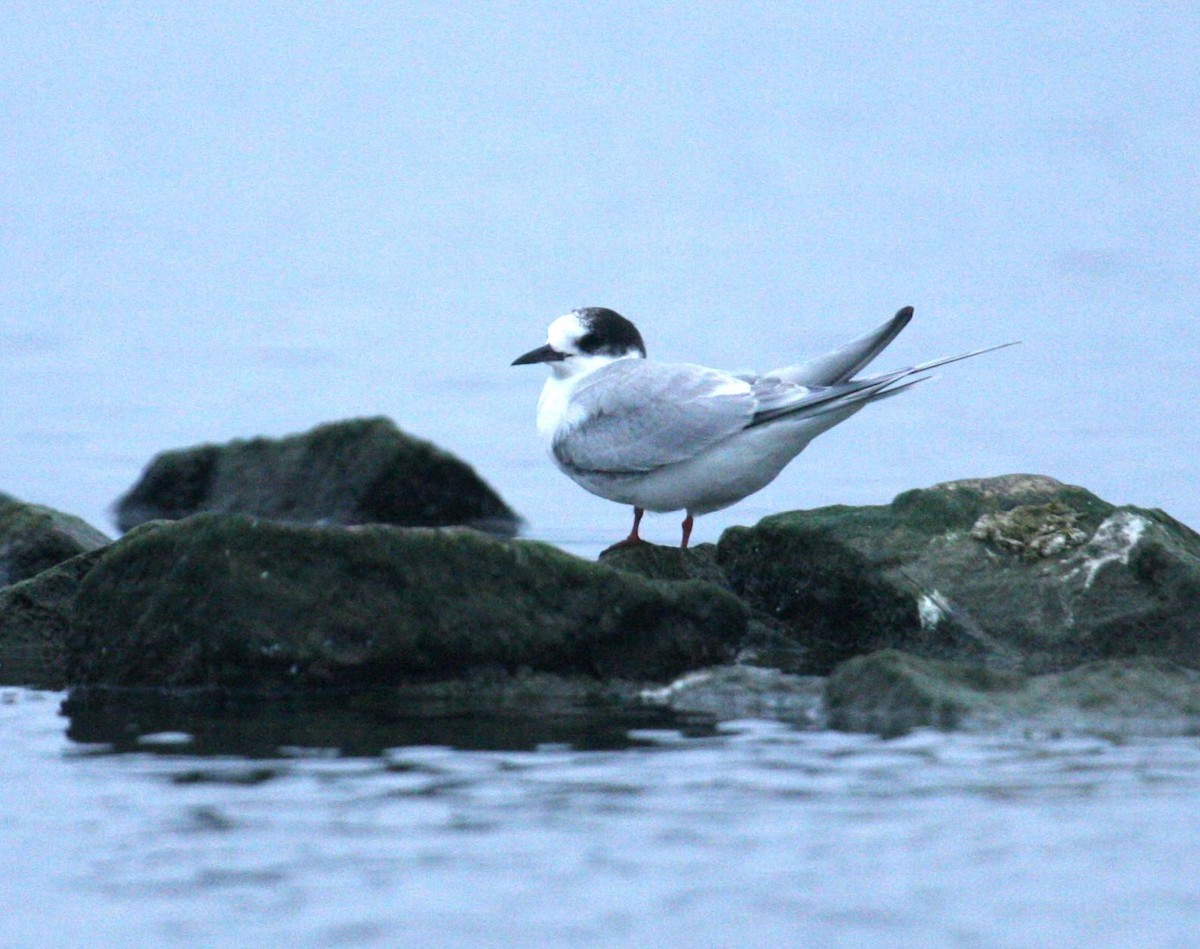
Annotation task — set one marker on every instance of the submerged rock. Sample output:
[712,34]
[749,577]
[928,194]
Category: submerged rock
[34,538]
[891,692]
[362,471]
[231,601]
[1019,573]
[745,691]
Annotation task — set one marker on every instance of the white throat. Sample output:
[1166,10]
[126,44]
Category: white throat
[554,404]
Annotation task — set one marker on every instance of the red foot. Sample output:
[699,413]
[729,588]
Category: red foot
[633,539]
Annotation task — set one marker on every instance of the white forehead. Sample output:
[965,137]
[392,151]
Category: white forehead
[564,332]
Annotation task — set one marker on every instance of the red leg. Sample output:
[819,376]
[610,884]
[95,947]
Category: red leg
[687,531]
[633,538]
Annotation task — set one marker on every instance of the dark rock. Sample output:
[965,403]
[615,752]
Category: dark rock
[233,601]
[1017,573]
[34,538]
[34,618]
[891,692]
[668,563]
[768,642]
[362,471]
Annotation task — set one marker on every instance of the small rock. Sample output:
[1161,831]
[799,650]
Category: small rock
[659,562]
[362,471]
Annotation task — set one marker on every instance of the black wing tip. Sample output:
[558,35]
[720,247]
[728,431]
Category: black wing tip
[904,313]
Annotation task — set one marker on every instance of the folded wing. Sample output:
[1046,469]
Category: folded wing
[634,416]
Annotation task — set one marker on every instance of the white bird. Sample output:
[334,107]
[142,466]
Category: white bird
[674,436]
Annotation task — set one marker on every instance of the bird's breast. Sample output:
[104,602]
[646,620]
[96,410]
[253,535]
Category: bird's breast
[554,413]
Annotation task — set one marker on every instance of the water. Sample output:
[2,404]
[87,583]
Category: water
[752,833]
[221,224]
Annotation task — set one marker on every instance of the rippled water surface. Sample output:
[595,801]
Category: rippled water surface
[748,833]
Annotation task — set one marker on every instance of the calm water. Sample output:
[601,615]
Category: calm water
[227,222]
[750,833]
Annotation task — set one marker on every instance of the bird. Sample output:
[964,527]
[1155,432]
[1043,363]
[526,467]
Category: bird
[666,437]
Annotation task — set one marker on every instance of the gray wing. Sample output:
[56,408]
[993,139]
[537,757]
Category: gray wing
[635,416]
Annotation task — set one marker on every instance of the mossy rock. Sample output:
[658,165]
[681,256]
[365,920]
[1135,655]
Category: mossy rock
[360,471]
[891,692]
[240,602]
[1018,573]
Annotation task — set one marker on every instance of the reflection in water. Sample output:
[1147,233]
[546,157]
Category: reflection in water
[480,716]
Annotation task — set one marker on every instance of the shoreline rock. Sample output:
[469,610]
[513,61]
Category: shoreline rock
[358,471]
[1018,573]
[232,601]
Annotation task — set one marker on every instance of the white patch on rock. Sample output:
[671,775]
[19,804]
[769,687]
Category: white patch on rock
[931,608]
[1113,542]
[664,694]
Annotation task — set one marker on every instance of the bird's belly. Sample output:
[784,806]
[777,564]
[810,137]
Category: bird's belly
[712,480]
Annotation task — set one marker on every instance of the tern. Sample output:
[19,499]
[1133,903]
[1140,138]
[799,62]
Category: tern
[679,437]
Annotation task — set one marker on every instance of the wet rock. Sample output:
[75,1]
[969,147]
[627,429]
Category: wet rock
[768,642]
[1018,573]
[234,601]
[745,691]
[34,538]
[34,618]
[891,692]
[362,471]
[668,563]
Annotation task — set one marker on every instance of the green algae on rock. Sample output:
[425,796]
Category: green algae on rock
[1017,573]
[34,538]
[232,601]
[360,471]
[658,562]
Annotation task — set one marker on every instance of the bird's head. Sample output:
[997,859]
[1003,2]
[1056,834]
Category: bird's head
[583,341]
